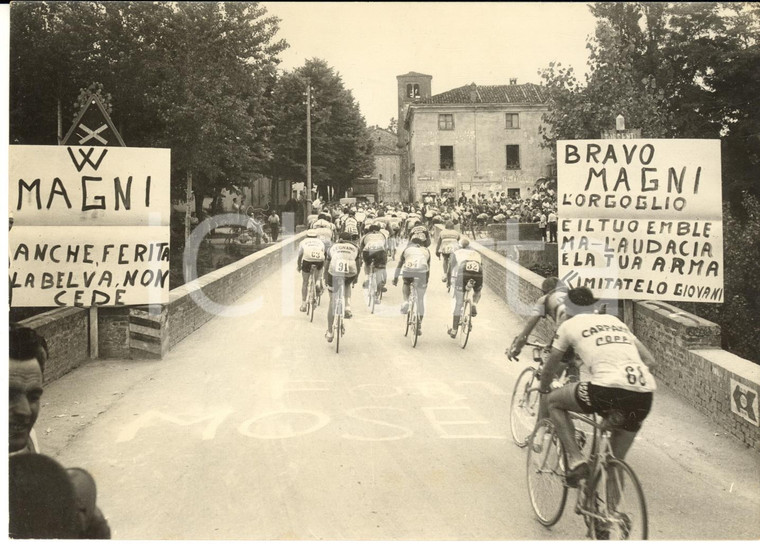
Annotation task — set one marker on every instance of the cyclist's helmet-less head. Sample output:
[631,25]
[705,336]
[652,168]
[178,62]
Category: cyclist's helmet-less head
[345,236]
[311,233]
[374,227]
[464,242]
[580,300]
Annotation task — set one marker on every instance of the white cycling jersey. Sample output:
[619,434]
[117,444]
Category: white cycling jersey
[606,346]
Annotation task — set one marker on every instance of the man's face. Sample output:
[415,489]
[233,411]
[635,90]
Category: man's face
[24,392]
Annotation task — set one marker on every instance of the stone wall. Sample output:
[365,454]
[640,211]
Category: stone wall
[66,331]
[719,384]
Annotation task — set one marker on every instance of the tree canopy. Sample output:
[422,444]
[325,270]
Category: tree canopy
[340,142]
[194,77]
[685,70]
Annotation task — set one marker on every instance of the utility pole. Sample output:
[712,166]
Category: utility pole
[308,149]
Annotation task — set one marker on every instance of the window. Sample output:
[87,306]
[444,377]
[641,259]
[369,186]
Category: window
[413,90]
[445,121]
[513,157]
[513,120]
[380,176]
[513,193]
[447,157]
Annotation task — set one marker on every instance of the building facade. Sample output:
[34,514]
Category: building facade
[475,139]
[387,164]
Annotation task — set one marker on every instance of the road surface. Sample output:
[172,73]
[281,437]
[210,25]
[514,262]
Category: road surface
[254,428]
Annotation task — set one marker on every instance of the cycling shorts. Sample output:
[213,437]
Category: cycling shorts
[421,279]
[466,276]
[379,257]
[634,406]
[306,266]
[348,280]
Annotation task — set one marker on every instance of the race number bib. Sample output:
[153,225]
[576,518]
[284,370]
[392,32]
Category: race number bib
[316,255]
[472,266]
[375,246]
[343,268]
[414,263]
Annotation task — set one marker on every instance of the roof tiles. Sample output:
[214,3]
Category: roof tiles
[527,93]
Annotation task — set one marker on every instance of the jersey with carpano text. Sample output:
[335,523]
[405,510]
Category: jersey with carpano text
[606,346]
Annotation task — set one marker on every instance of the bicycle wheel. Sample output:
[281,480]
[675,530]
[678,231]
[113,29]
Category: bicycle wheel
[311,299]
[619,503]
[465,324]
[338,332]
[546,474]
[524,407]
[414,322]
[371,290]
[408,322]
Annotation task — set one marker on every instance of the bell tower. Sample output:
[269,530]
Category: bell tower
[411,87]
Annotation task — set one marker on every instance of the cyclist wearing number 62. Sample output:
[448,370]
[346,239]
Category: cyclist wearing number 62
[464,265]
[620,383]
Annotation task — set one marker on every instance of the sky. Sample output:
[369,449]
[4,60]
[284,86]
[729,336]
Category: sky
[369,44]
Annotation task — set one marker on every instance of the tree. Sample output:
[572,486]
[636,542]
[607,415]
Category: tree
[340,142]
[193,77]
[684,70]
[393,125]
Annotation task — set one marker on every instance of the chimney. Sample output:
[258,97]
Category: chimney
[473,92]
[513,81]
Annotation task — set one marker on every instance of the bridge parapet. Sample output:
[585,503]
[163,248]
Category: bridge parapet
[691,362]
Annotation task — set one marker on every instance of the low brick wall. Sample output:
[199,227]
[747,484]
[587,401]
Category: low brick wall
[687,348]
[691,363]
[66,331]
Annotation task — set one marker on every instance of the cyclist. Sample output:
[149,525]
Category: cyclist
[447,242]
[372,248]
[620,384]
[361,216]
[311,254]
[465,265]
[551,304]
[342,261]
[420,232]
[414,263]
[351,225]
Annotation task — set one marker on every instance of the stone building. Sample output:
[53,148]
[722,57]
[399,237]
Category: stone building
[472,138]
[387,164]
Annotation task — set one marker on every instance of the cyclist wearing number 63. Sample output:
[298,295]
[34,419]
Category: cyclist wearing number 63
[464,265]
[311,254]
[620,384]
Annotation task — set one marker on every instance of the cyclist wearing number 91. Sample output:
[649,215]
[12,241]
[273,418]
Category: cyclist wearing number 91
[311,254]
[620,385]
[342,262]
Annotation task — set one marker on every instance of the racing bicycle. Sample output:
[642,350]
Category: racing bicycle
[525,396]
[412,314]
[312,299]
[465,321]
[610,500]
[373,295]
[339,309]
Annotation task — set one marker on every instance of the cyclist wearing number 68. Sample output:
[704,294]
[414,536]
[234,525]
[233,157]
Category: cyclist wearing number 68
[620,382]
[464,265]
